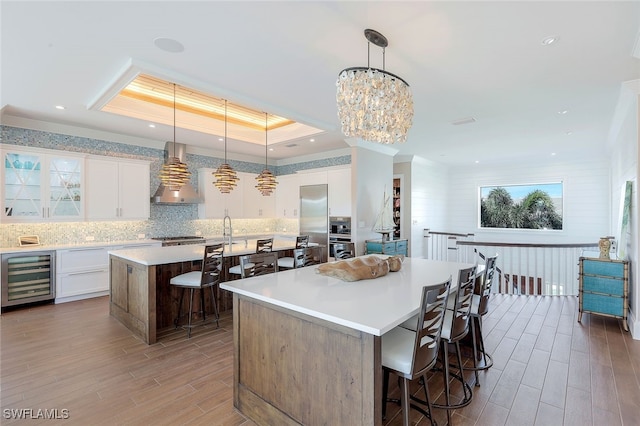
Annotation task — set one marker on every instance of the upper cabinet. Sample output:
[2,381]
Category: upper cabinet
[256,205]
[119,189]
[42,185]
[217,205]
[287,197]
[339,181]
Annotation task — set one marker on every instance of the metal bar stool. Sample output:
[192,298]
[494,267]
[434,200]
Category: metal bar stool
[287,262]
[263,245]
[208,277]
[410,354]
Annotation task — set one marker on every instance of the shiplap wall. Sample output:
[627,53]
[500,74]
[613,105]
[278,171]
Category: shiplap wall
[586,190]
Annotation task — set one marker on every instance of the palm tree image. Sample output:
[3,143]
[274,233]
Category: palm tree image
[535,210]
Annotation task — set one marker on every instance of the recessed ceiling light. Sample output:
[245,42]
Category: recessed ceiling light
[168,45]
[549,40]
[220,139]
[553,153]
[60,107]
[569,133]
[153,126]
[477,161]
[563,112]
[466,120]
[312,140]
[270,149]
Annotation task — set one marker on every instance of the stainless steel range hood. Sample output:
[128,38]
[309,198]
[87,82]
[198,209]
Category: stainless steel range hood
[187,194]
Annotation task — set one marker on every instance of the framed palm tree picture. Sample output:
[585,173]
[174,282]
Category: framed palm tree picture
[529,206]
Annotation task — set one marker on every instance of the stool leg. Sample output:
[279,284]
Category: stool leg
[445,370]
[405,401]
[385,391]
[475,349]
[214,301]
[190,313]
[175,322]
[426,394]
[459,355]
[204,311]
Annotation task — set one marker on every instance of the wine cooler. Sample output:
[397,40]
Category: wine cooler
[28,277]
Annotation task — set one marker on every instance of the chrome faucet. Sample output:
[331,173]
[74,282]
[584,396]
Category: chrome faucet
[244,232]
[224,230]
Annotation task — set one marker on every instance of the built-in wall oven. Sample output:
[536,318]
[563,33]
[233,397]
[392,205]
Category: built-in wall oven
[28,277]
[339,231]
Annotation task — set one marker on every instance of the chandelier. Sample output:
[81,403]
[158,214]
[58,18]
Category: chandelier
[174,173]
[266,180]
[226,177]
[374,104]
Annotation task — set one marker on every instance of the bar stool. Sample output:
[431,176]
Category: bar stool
[479,308]
[263,245]
[302,241]
[344,250]
[208,277]
[454,329]
[307,256]
[252,265]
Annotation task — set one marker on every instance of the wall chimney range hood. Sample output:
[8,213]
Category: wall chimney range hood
[187,194]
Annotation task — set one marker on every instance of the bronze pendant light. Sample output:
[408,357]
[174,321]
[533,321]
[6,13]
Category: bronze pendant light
[266,180]
[226,177]
[174,173]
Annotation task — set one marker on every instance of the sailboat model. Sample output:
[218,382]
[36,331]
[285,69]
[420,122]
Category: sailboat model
[384,221]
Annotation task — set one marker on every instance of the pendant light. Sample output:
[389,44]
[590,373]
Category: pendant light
[266,180]
[226,177]
[374,104]
[174,173]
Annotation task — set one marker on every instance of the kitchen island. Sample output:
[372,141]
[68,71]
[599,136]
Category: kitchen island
[140,294]
[307,347]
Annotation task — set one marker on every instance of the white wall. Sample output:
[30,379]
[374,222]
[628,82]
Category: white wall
[429,200]
[624,139]
[371,172]
[586,211]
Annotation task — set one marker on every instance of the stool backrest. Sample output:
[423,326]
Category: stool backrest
[430,319]
[212,264]
[307,256]
[264,245]
[302,241]
[462,306]
[258,264]
[344,250]
[485,284]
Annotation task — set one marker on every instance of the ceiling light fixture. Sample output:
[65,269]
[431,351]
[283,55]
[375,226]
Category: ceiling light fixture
[174,173]
[266,180]
[547,41]
[60,107]
[226,177]
[374,104]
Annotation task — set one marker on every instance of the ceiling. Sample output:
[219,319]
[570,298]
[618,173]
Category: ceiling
[477,59]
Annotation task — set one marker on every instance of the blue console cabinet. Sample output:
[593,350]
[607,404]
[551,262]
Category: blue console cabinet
[604,288]
[391,247]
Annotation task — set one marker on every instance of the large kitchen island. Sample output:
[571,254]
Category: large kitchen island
[140,294]
[307,348]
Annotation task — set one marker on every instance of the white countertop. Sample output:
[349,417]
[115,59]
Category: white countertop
[372,306]
[90,244]
[163,255]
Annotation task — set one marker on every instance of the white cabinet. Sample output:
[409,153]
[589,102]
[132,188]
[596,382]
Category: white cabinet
[256,205]
[41,185]
[217,205]
[117,189]
[287,197]
[339,182]
[312,178]
[83,272]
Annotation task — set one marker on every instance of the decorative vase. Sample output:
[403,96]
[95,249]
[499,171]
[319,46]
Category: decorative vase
[604,244]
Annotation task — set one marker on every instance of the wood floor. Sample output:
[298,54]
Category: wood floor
[76,359]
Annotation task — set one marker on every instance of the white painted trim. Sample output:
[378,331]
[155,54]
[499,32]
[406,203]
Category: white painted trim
[314,157]
[634,325]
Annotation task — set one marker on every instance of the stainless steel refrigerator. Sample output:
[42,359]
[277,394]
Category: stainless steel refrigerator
[314,215]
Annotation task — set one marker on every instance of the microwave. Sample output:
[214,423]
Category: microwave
[340,225]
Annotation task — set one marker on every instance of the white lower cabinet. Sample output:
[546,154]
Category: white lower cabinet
[83,272]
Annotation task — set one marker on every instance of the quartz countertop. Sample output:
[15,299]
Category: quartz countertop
[88,244]
[371,306]
[149,256]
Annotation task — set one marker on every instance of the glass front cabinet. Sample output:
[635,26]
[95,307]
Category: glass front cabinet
[41,186]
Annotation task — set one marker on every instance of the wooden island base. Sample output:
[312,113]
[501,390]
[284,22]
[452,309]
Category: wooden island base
[290,368]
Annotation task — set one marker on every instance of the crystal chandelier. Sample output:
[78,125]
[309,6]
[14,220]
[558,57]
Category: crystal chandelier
[374,104]
[266,180]
[174,173]
[226,177]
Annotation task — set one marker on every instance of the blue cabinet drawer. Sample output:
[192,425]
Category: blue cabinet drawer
[603,304]
[603,285]
[607,268]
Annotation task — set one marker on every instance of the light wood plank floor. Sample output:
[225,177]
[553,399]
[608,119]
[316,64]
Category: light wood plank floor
[548,370]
